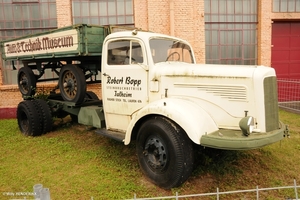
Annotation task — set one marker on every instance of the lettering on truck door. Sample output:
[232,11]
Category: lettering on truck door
[124,80]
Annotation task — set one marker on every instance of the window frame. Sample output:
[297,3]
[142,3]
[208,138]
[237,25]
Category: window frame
[24,1]
[111,13]
[219,20]
[277,6]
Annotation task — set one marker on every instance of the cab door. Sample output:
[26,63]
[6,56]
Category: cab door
[124,81]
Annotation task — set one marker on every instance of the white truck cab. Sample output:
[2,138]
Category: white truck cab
[146,74]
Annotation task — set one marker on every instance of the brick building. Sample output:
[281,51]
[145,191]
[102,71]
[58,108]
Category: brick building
[220,31]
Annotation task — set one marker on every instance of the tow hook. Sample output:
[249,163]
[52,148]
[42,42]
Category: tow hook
[286,132]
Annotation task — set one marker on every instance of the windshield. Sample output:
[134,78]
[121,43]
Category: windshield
[165,49]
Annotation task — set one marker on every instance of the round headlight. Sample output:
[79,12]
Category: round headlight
[247,125]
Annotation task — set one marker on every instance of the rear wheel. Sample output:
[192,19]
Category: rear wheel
[46,116]
[34,117]
[72,84]
[28,116]
[26,82]
[165,153]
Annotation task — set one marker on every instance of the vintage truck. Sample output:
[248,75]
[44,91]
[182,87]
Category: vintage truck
[153,93]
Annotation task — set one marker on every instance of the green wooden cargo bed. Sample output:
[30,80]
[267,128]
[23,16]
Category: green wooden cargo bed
[70,41]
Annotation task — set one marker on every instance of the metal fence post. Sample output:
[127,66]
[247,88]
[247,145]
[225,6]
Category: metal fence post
[257,193]
[296,192]
[217,193]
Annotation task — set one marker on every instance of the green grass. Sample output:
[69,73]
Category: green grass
[75,163]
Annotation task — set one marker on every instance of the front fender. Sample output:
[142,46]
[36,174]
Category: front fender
[187,114]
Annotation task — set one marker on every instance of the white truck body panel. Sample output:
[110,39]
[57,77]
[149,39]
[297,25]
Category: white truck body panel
[191,117]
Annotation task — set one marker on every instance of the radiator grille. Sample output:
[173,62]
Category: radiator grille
[271,104]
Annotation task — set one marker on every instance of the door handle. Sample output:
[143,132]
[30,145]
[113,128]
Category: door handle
[105,74]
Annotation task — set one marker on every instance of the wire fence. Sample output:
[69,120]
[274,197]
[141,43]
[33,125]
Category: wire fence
[218,194]
[289,94]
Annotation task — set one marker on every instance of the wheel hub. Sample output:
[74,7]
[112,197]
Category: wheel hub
[69,84]
[155,154]
[24,122]
[24,83]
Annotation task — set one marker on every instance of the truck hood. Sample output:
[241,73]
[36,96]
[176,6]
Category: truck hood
[210,70]
[226,92]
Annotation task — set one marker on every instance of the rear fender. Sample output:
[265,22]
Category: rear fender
[188,115]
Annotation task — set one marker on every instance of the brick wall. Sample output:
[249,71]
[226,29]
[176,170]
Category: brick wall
[189,25]
[10,96]
[64,13]
[264,33]
[140,10]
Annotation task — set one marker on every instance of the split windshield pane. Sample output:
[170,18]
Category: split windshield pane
[166,50]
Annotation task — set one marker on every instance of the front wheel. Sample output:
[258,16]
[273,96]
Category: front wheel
[165,153]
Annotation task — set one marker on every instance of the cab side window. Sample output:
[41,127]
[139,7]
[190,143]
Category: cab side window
[124,52]
[117,52]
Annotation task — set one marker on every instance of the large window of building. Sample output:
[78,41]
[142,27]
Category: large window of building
[230,31]
[103,12]
[19,18]
[286,6]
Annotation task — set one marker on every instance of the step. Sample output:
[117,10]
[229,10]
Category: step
[119,136]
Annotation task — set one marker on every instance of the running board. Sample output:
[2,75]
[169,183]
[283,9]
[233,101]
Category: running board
[112,134]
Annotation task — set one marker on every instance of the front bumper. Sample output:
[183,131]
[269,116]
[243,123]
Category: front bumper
[235,140]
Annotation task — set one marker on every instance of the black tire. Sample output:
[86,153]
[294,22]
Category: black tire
[165,153]
[26,82]
[28,116]
[72,84]
[47,120]
[91,95]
